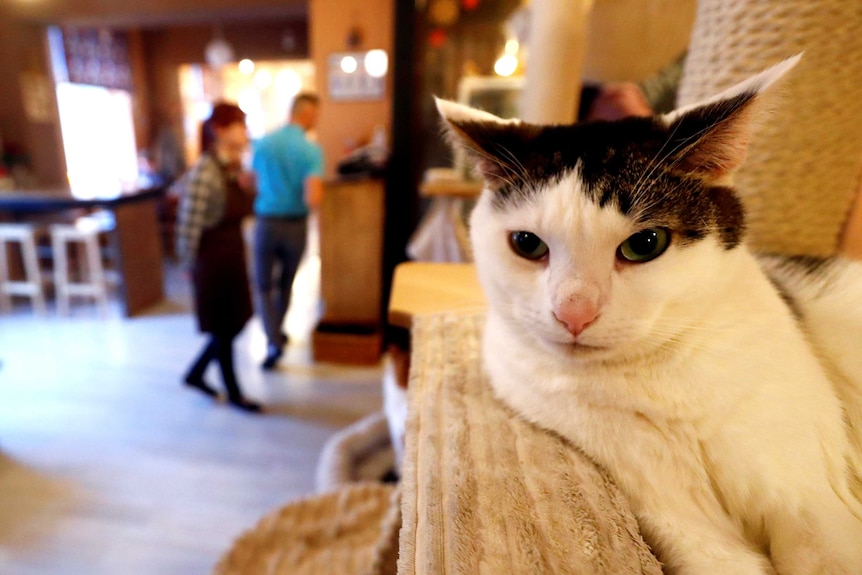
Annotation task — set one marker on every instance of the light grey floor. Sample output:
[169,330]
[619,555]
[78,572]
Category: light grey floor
[109,465]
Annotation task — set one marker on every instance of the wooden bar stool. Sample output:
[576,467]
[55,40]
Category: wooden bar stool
[85,232]
[31,286]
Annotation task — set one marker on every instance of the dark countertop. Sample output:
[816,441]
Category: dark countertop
[62,198]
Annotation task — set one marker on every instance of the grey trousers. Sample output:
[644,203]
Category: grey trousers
[278,247]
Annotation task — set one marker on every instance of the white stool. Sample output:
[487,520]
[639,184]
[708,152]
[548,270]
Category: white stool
[31,285]
[86,232]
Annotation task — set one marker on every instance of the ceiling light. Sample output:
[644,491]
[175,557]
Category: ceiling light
[246,66]
[263,79]
[506,65]
[288,83]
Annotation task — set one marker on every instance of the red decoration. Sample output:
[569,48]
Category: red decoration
[470,4]
[437,37]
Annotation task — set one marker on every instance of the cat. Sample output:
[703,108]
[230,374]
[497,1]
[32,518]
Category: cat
[721,389]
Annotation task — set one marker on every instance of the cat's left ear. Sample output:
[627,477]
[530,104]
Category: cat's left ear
[493,144]
[710,139]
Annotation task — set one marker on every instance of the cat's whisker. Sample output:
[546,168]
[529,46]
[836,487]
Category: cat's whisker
[655,162]
[505,167]
[520,171]
[657,198]
[680,152]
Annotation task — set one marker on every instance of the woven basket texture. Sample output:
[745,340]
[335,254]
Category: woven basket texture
[338,533]
[804,165]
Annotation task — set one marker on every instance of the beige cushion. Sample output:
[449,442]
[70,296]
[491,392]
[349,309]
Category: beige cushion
[484,492]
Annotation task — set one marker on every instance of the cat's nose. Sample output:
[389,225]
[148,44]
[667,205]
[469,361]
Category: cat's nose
[577,317]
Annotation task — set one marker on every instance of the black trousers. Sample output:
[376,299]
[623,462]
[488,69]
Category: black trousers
[219,348]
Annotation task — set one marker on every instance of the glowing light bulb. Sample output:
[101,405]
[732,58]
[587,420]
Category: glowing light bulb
[376,63]
[506,65]
[263,79]
[288,83]
[349,64]
[246,66]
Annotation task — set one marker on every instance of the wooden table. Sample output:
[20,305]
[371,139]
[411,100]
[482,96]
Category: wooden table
[451,188]
[420,288]
[136,236]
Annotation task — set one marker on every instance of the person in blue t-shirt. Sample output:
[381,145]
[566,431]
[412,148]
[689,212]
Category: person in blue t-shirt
[289,168]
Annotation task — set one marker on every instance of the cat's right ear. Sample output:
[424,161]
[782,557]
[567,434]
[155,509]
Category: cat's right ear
[493,143]
[710,139]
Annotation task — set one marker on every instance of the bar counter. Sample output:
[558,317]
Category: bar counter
[135,238]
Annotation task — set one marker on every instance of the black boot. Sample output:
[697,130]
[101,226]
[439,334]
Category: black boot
[195,377]
[234,393]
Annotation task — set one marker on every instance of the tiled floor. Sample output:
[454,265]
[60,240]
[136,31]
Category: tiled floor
[109,465]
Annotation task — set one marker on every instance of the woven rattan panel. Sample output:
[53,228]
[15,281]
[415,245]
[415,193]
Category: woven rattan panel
[805,162]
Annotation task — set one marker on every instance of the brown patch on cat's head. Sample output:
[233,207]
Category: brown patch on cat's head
[672,171]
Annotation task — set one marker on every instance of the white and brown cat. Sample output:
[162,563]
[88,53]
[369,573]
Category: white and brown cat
[722,390]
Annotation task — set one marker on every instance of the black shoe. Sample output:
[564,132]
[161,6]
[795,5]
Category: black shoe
[283,339]
[273,354]
[200,385]
[245,405]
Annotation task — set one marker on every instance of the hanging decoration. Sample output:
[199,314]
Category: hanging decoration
[218,51]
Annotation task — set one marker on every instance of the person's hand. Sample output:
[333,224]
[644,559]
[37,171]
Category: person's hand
[619,100]
[247,182]
[313,192]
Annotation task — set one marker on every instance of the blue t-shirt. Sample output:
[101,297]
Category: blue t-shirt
[282,161]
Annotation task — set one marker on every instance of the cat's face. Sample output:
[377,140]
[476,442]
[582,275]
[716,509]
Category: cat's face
[587,281]
[608,239]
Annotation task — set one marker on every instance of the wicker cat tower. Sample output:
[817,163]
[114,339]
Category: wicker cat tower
[805,164]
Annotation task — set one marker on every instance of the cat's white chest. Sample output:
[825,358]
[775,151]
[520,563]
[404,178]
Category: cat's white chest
[708,409]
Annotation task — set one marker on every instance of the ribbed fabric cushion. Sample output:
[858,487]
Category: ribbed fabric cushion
[805,164]
[485,492]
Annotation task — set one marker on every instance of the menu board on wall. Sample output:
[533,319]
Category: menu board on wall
[348,79]
[95,56]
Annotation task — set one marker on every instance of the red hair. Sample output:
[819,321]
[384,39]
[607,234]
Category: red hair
[223,115]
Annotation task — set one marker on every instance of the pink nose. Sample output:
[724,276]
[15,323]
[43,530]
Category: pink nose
[576,317]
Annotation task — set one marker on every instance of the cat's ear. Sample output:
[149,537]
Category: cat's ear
[493,143]
[710,139]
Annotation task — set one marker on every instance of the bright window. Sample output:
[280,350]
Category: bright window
[98,139]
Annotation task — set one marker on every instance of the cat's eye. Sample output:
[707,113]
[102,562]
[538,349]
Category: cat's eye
[528,245]
[645,245]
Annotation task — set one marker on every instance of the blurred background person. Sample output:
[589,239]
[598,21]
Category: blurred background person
[288,167]
[213,203]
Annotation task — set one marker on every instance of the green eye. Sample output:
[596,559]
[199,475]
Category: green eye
[644,246]
[528,245]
